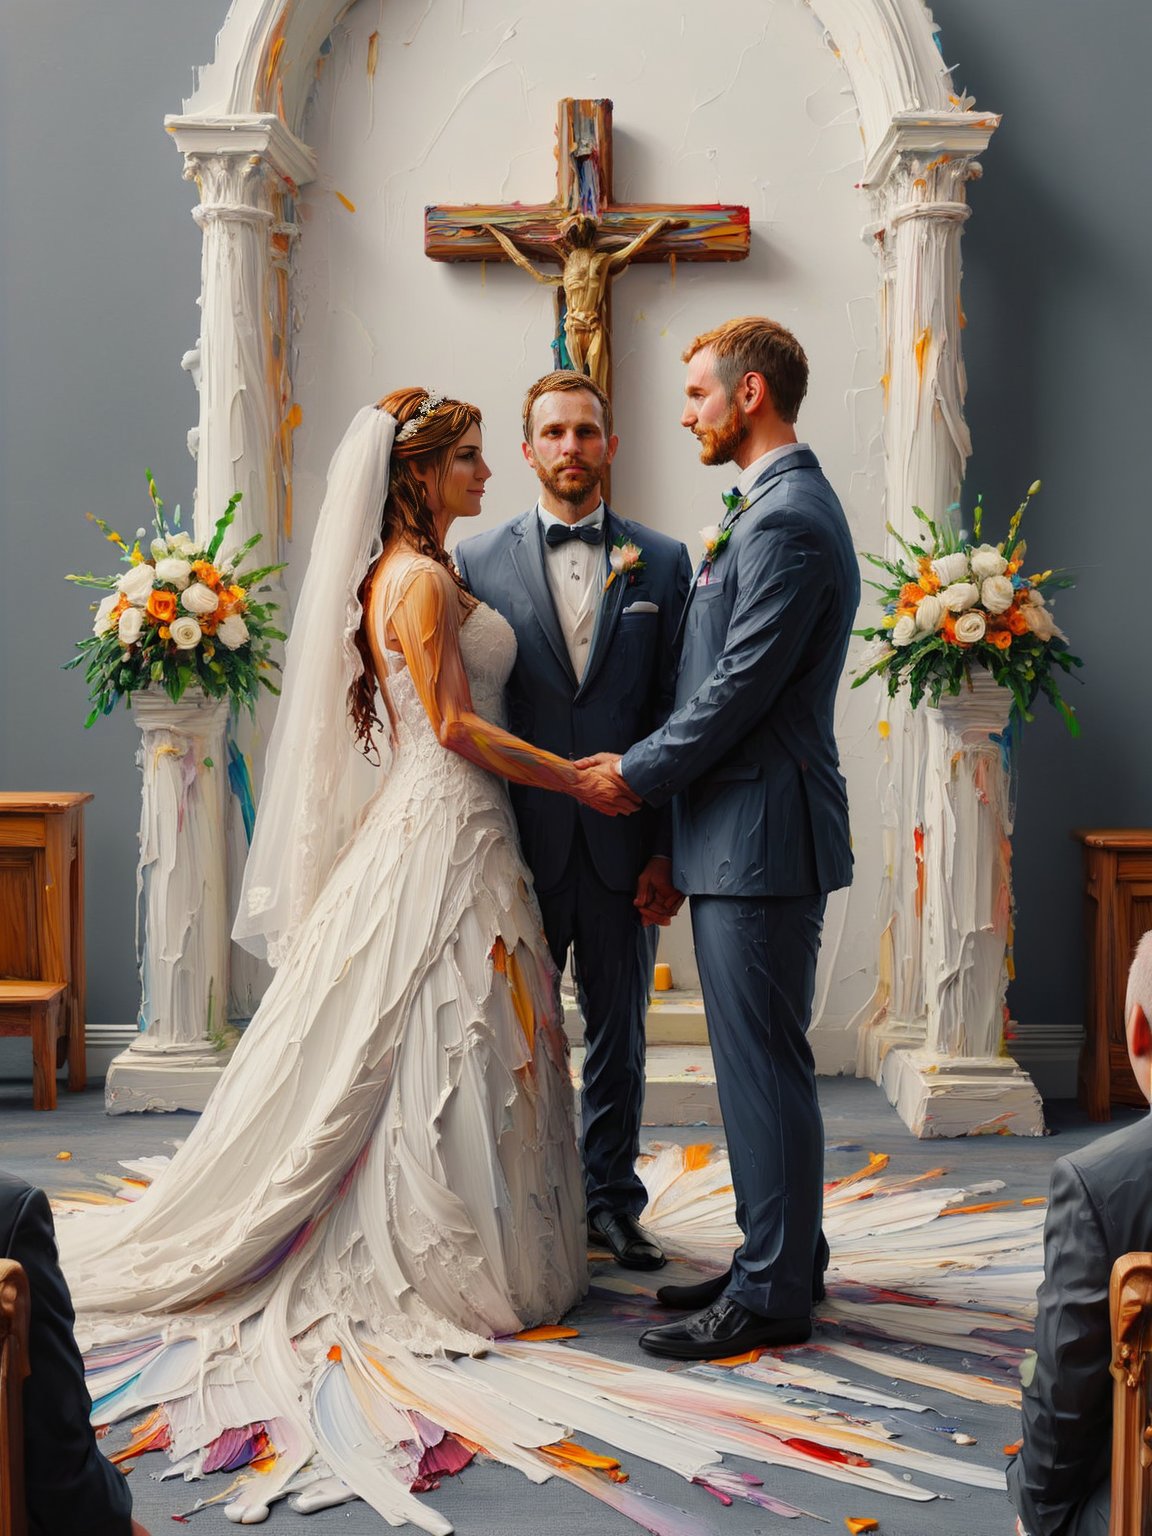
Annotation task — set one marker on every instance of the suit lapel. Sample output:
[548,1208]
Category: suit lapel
[803,458]
[611,606]
[528,562]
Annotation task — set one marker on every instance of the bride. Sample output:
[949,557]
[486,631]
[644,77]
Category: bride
[389,1160]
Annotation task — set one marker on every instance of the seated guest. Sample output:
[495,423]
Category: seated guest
[69,1486]
[1098,1209]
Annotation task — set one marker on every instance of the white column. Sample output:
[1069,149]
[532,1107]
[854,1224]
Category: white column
[958,1083]
[918,178]
[247,169]
[182,924]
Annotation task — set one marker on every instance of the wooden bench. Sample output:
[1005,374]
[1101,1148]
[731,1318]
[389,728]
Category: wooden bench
[14,1315]
[36,1008]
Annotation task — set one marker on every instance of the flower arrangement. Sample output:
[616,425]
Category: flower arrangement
[178,617]
[624,559]
[951,604]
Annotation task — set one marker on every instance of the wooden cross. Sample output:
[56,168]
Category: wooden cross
[591,237]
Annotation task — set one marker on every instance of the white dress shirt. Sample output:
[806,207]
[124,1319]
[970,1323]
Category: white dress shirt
[748,477]
[575,572]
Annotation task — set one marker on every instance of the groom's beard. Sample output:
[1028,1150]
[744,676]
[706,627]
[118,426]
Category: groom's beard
[718,445]
[566,486]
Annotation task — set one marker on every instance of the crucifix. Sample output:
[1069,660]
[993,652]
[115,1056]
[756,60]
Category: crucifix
[588,235]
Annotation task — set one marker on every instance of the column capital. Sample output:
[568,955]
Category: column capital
[928,135]
[259,138]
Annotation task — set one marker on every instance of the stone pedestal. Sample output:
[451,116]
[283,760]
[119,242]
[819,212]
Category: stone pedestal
[958,1082]
[182,911]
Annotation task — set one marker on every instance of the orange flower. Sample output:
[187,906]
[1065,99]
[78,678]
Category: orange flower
[161,606]
[1015,621]
[208,622]
[948,629]
[1000,638]
[231,601]
[911,593]
[205,571]
[165,632]
[929,580]
[119,609]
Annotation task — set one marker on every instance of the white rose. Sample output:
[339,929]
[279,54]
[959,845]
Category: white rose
[960,596]
[102,623]
[1039,621]
[929,614]
[176,572]
[199,599]
[997,593]
[180,543]
[185,633]
[232,631]
[988,561]
[903,632]
[131,623]
[950,568]
[970,627]
[136,584]
[158,548]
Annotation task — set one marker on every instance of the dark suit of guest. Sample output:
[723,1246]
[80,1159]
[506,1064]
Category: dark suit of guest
[1098,1209]
[760,836]
[71,1490]
[585,866]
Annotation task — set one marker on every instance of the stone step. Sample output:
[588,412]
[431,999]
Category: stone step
[675,1017]
[680,1085]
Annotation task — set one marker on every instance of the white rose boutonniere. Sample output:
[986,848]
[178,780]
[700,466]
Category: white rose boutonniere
[625,560]
[970,628]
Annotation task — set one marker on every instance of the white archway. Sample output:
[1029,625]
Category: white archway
[239,135]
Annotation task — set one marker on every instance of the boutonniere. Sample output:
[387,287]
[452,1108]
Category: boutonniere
[625,559]
[714,539]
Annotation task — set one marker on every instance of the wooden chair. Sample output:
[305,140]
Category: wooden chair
[38,1008]
[1130,1305]
[14,1311]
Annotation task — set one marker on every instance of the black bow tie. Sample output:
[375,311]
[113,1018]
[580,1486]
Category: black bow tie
[560,533]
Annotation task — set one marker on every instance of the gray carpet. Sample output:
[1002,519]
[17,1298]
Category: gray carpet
[489,1500]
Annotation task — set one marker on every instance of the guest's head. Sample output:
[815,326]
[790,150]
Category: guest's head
[568,441]
[1138,1013]
[746,381]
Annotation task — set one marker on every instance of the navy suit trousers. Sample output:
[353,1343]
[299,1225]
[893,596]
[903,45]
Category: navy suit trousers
[612,956]
[757,959]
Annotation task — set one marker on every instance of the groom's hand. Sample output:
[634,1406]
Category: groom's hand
[657,899]
[614,795]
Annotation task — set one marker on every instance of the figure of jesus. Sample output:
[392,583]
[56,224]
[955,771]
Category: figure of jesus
[588,269]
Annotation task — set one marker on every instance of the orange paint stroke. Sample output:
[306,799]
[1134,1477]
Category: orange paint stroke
[920,349]
[921,872]
[580,1456]
[860,1523]
[696,1156]
[553,1331]
[347,201]
[373,53]
[335,1354]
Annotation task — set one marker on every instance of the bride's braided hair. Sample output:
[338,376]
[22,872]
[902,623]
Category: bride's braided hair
[406,517]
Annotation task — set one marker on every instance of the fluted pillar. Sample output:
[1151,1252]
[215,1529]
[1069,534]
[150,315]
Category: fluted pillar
[247,169]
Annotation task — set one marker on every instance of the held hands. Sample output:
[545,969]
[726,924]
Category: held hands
[657,899]
[603,789]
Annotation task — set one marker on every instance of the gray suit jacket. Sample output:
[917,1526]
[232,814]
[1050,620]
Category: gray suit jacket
[749,752]
[626,690]
[1098,1209]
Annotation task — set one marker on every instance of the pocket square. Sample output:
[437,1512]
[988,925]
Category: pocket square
[641,608]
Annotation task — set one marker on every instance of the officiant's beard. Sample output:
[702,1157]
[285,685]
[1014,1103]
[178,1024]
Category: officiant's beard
[718,445]
[566,486]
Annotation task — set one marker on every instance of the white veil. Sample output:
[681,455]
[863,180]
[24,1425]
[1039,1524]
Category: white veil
[314,784]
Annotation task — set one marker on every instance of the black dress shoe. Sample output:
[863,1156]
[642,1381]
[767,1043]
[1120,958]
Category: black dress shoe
[626,1238]
[689,1298]
[725,1328]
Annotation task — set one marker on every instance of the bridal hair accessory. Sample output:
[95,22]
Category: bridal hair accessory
[429,403]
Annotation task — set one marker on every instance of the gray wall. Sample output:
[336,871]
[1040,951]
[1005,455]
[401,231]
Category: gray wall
[99,264]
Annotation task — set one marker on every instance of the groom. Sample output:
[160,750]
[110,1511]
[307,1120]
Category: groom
[760,819]
[595,602]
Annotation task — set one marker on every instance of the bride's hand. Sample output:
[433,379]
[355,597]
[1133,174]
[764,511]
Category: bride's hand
[603,789]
